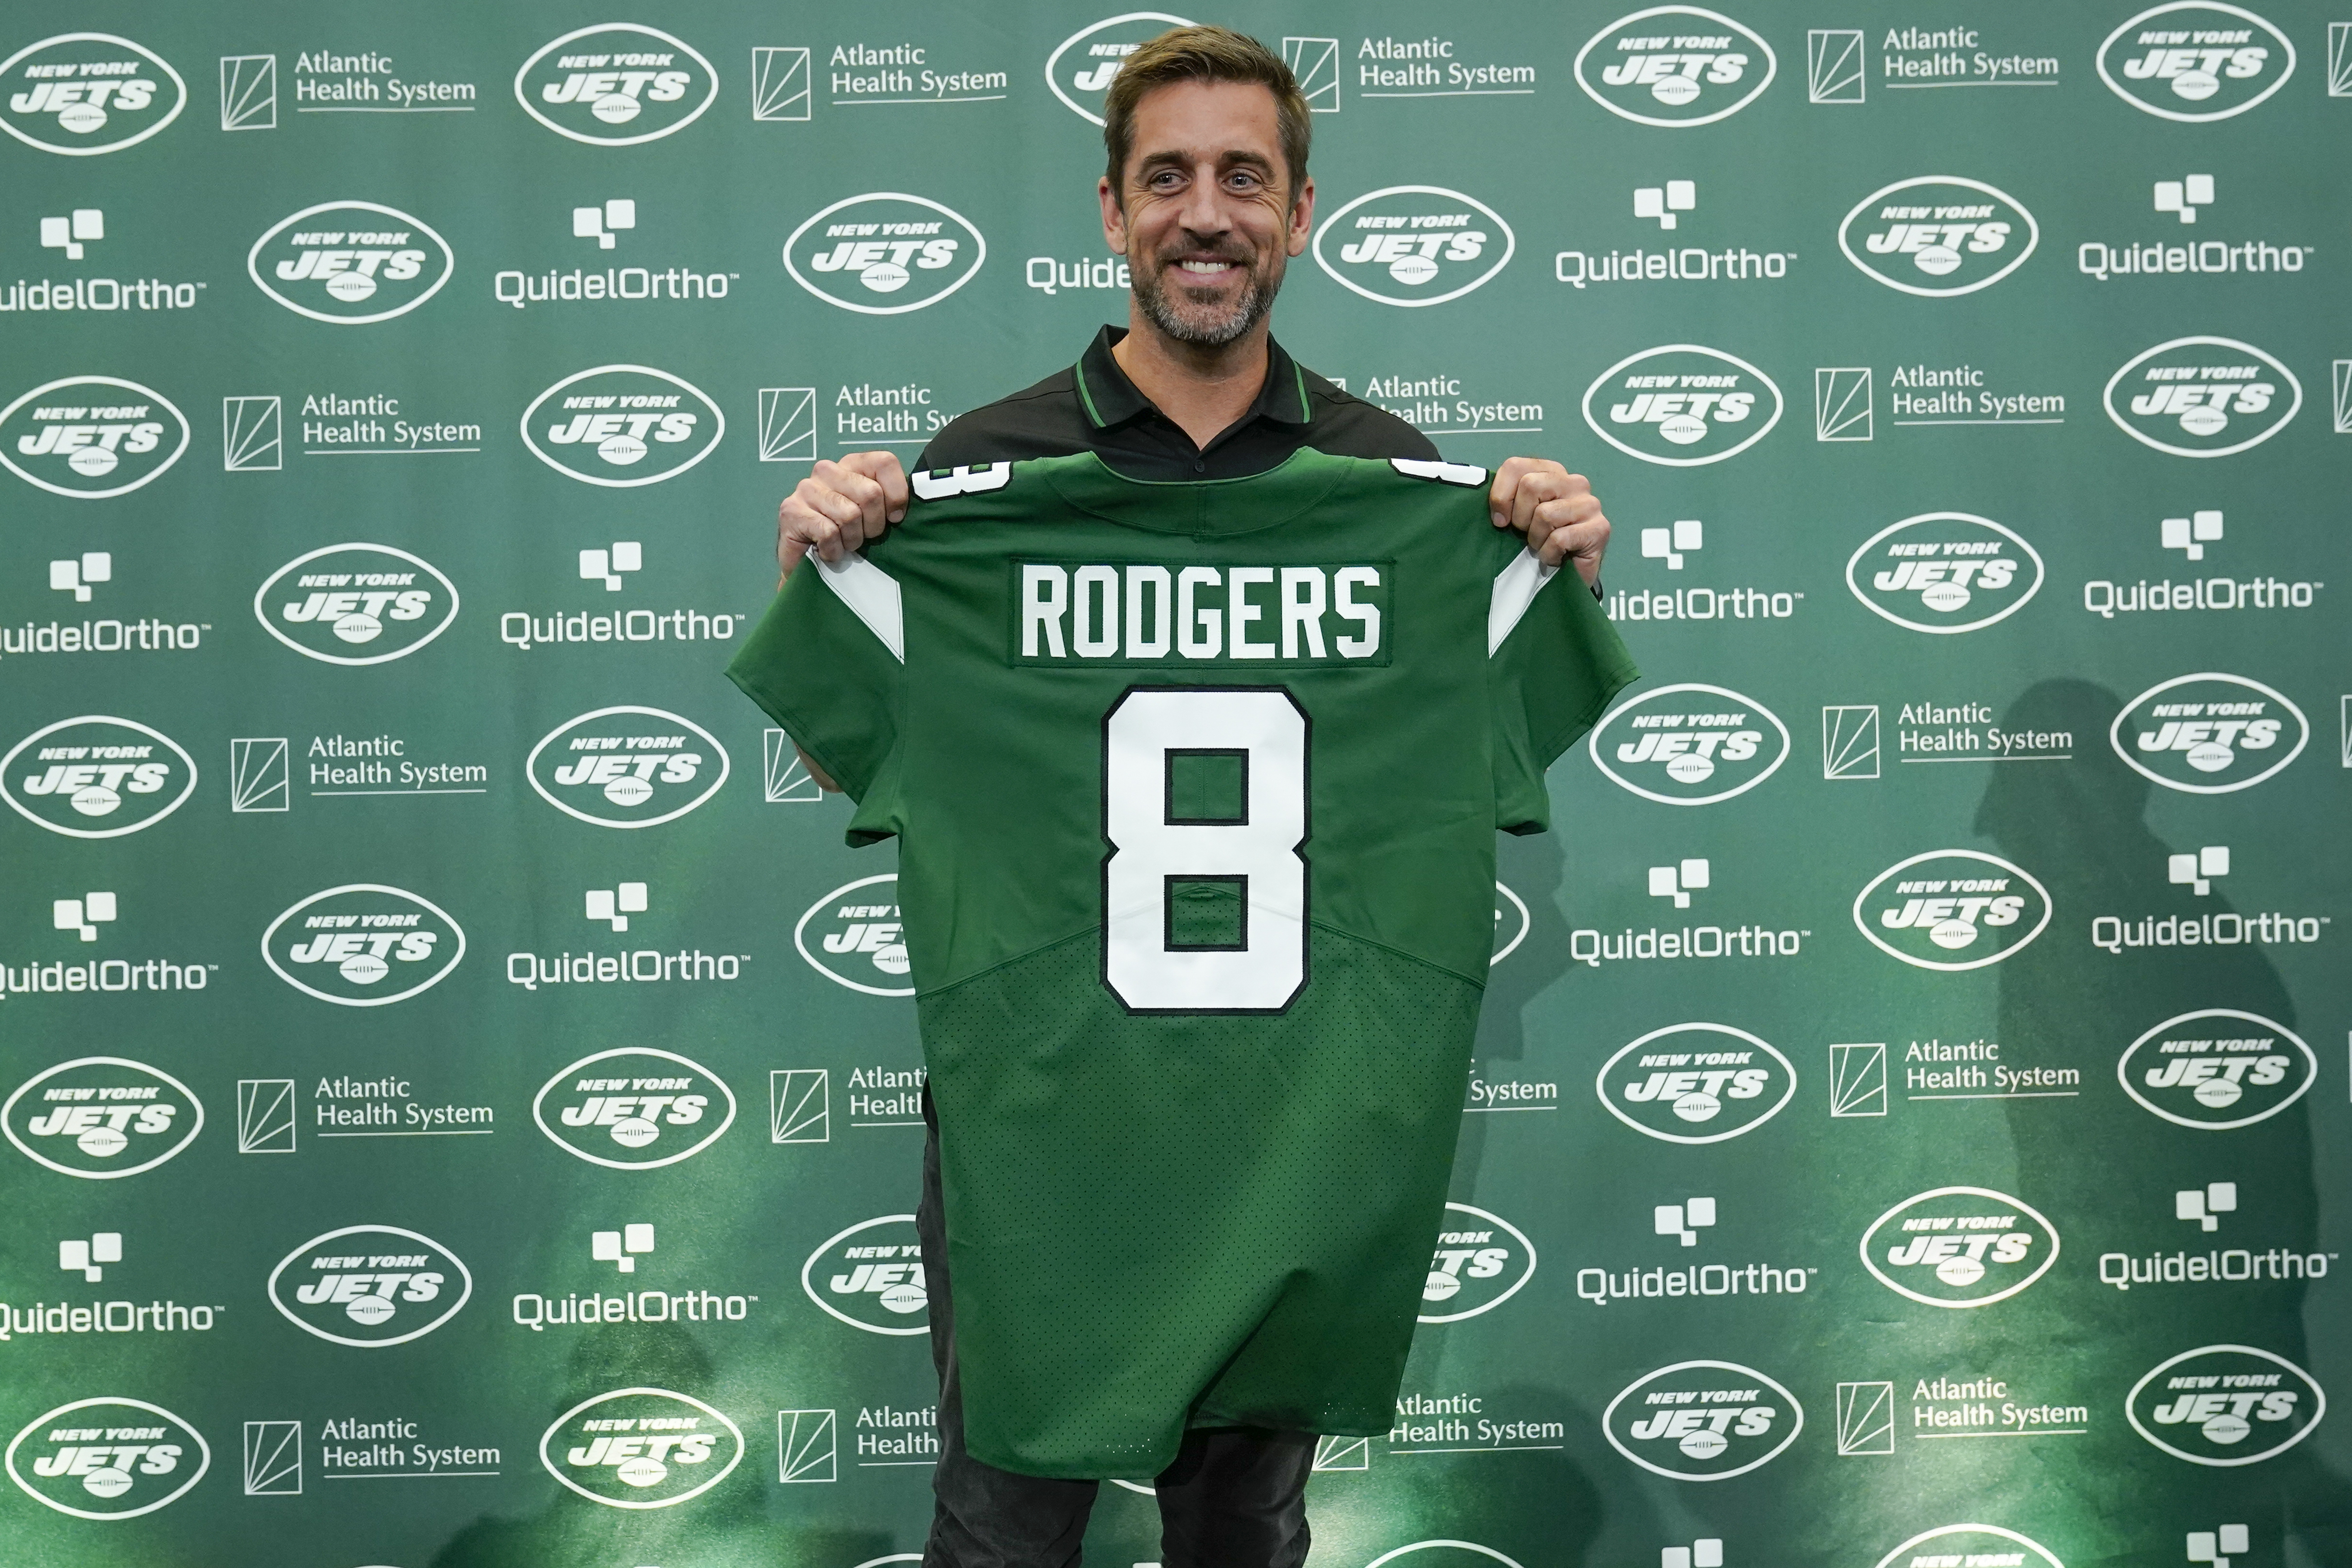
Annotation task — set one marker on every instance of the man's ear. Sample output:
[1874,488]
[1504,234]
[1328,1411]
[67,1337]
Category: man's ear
[1114,218]
[1302,218]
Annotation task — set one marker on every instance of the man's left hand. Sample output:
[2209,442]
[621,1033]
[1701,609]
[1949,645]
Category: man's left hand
[1555,508]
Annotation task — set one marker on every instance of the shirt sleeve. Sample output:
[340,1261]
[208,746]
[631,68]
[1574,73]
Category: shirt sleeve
[826,662]
[1554,660]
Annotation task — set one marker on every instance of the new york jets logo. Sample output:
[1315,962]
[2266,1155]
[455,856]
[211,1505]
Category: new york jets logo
[101,1117]
[1675,66]
[109,1457]
[1696,1083]
[2225,1406]
[641,1447]
[627,767]
[1960,1247]
[1960,1543]
[1682,405]
[356,604]
[1482,1260]
[1702,1420]
[2202,398]
[80,93]
[1945,571]
[1939,235]
[349,263]
[1691,744]
[1414,244]
[1081,67]
[634,1108]
[884,254]
[90,438]
[855,936]
[2218,1068]
[96,776]
[616,85]
[363,945]
[370,1286]
[2209,733]
[2195,60]
[1951,909]
[621,425]
[871,1277]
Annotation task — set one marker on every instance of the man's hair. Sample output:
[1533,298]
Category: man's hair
[1204,54]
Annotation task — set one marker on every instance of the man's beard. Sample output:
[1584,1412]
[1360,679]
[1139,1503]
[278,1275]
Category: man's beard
[1247,311]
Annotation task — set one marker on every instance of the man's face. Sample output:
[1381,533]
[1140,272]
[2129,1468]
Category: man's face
[1204,214]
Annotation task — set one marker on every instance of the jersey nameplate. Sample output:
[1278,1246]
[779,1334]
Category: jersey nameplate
[1067,614]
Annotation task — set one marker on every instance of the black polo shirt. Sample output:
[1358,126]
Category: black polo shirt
[1093,407]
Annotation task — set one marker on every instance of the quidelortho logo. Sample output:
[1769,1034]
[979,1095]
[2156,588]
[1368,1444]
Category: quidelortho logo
[356,604]
[109,1457]
[370,1286]
[641,1447]
[1675,66]
[1939,235]
[1951,909]
[1682,405]
[627,767]
[884,253]
[101,1117]
[857,930]
[1961,1544]
[96,776]
[616,85]
[2209,733]
[599,425]
[91,437]
[2225,1406]
[871,1277]
[363,945]
[2195,60]
[1482,1260]
[1960,1247]
[80,93]
[1702,1420]
[1414,244]
[1691,744]
[1081,67]
[1945,571]
[2218,1068]
[349,263]
[634,1108]
[2202,398]
[1696,1083]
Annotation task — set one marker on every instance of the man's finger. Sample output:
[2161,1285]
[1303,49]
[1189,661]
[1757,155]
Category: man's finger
[1504,495]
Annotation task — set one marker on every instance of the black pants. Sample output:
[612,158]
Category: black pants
[1235,1497]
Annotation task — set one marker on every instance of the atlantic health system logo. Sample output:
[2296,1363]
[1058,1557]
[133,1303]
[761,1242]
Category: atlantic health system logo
[349,263]
[1682,405]
[616,85]
[1414,244]
[90,438]
[62,93]
[1951,909]
[1675,66]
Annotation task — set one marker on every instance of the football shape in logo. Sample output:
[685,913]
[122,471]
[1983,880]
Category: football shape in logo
[641,1447]
[1081,67]
[1681,406]
[627,767]
[96,777]
[1675,66]
[2218,1068]
[90,438]
[2195,60]
[2225,1406]
[1691,744]
[109,1457]
[1414,244]
[634,1108]
[1482,1260]
[356,604]
[349,263]
[370,1286]
[600,425]
[616,85]
[2202,398]
[1939,235]
[1696,1083]
[1971,1544]
[2209,733]
[1945,571]
[101,1117]
[1702,1420]
[1951,909]
[858,930]
[1960,1247]
[80,93]
[363,945]
[885,252]
[871,1277]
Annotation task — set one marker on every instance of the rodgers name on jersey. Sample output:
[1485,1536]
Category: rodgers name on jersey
[1146,614]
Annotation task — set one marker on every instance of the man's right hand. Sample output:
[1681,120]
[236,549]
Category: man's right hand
[839,507]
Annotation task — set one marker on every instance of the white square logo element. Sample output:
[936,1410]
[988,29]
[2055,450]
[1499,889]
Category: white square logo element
[251,439]
[1850,741]
[1834,61]
[257,777]
[788,424]
[1842,402]
[800,1105]
[265,1116]
[1865,1418]
[780,83]
[806,1448]
[1316,63]
[248,87]
[1858,1080]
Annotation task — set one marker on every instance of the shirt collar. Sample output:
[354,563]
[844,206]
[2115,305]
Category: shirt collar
[1109,400]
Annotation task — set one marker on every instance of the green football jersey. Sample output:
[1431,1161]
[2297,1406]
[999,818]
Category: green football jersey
[1196,788]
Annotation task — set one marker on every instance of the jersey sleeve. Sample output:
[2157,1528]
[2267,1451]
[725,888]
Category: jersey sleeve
[826,662]
[1554,660]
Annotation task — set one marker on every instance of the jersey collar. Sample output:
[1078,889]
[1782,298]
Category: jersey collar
[1109,400]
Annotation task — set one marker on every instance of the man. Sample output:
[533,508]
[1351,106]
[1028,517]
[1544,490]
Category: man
[1207,195]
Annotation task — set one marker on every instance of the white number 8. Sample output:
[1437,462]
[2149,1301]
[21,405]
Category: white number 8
[1259,849]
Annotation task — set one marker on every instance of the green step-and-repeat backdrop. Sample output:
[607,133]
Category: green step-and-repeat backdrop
[461,1095]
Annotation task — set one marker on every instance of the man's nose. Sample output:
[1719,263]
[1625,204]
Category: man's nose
[1203,213]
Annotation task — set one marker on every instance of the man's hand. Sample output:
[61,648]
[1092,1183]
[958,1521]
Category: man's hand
[839,507]
[1555,508]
